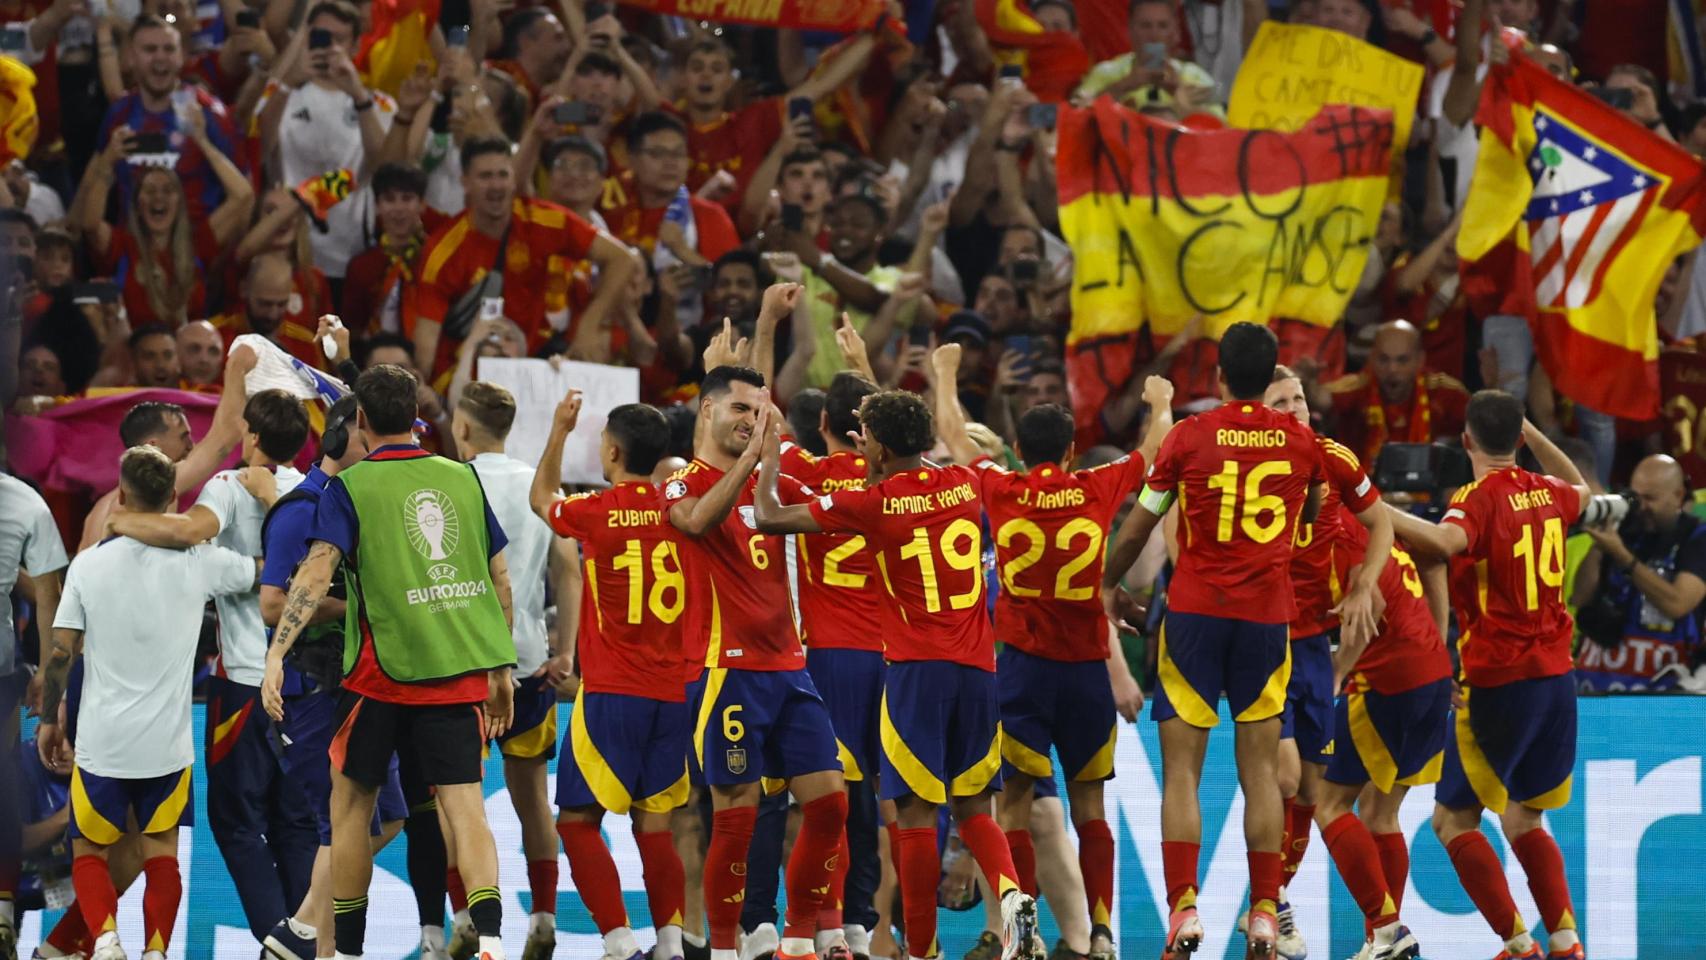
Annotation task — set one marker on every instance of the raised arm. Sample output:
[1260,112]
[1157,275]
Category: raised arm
[696,516]
[778,302]
[847,65]
[950,417]
[226,431]
[1441,541]
[308,587]
[1463,90]
[768,511]
[1554,461]
[1158,394]
[616,264]
[176,531]
[547,477]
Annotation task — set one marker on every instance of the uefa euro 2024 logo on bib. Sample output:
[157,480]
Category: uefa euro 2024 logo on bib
[430,520]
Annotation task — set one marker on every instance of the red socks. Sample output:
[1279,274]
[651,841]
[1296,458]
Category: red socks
[542,884]
[1266,869]
[725,873]
[829,915]
[458,892]
[1024,855]
[1483,879]
[920,869]
[1298,820]
[1394,863]
[666,879]
[1179,867]
[822,824]
[93,883]
[595,875]
[983,837]
[160,899]
[1096,861]
[1358,860]
[1544,863]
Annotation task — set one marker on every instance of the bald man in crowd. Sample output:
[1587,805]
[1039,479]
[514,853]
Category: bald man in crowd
[267,294]
[201,354]
[1394,399]
[1649,573]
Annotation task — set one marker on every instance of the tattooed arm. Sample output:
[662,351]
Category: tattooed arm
[50,738]
[307,587]
[500,583]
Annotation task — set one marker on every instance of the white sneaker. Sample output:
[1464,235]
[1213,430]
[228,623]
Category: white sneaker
[1367,948]
[107,948]
[1393,942]
[491,948]
[1019,939]
[432,944]
[858,940]
[1289,944]
[763,941]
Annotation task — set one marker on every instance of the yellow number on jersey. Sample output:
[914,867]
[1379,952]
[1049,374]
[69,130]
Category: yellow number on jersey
[1546,568]
[1407,571]
[755,550]
[664,581]
[1074,529]
[1256,503]
[1033,534]
[832,561]
[958,557]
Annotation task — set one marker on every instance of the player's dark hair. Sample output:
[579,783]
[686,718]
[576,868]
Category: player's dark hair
[643,434]
[149,330]
[1494,420]
[1283,372]
[279,424]
[386,396]
[718,380]
[682,419]
[399,178]
[147,420]
[846,393]
[489,406]
[148,477]
[651,122]
[805,412]
[900,421]
[477,147]
[1248,353]
[1045,434]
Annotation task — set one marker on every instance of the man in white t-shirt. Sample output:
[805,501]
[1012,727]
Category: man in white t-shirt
[139,609]
[260,819]
[481,422]
[29,542]
[332,122]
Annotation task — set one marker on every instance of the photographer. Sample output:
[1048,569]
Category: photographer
[1641,586]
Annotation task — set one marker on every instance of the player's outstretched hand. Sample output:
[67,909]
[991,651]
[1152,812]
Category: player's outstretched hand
[779,300]
[272,688]
[1359,615]
[1158,393]
[500,703]
[260,483]
[1123,610]
[568,412]
[945,361]
[724,350]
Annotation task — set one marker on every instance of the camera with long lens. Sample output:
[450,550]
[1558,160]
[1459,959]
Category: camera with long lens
[1606,510]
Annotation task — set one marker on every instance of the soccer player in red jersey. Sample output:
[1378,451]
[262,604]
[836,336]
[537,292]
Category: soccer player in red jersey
[1246,474]
[758,714]
[840,599]
[629,731]
[1052,676]
[1515,743]
[939,714]
[1306,729]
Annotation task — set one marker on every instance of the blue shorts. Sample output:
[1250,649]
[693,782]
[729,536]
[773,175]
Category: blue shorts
[1515,742]
[1051,703]
[310,721]
[1308,717]
[624,751]
[941,731]
[1391,739]
[1202,657]
[695,698]
[762,724]
[533,735]
[851,684]
[101,807]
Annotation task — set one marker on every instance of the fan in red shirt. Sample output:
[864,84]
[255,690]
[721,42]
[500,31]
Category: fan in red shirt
[272,307]
[940,718]
[1515,744]
[1245,474]
[1054,675]
[497,258]
[759,714]
[631,728]
[659,157]
[1319,547]
[379,286]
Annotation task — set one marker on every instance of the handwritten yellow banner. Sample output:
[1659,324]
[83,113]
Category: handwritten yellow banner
[1292,71]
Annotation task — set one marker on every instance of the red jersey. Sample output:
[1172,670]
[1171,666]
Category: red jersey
[630,626]
[1408,652]
[123,262]
[1365,421]
[924,525]
[1508,587]
[1313,577]
[637,226]
[1050,529]
[544,239]
[736,142]
[840,595]
[739,613]
[310,296]
[1242,472]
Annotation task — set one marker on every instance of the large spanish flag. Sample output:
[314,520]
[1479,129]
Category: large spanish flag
[1573,216]
[1053,60]
[396,40]
[1166,223]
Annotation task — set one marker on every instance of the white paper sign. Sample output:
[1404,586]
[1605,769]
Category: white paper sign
[538,388]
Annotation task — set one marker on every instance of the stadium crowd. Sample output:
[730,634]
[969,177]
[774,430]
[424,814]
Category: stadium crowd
[825,255]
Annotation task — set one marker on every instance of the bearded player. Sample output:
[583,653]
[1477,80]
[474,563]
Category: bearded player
[940,715]
[630,729]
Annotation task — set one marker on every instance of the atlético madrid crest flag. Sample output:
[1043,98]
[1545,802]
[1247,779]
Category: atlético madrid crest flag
[1573,216]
